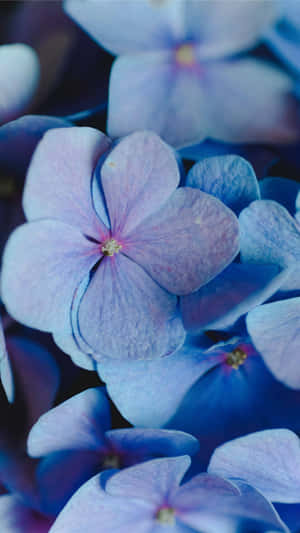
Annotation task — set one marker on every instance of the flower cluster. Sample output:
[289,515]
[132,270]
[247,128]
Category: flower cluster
[150,266]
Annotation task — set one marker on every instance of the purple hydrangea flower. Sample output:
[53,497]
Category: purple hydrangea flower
[19,68]
[148,498]
[176,75]
[116,240]
[75,438]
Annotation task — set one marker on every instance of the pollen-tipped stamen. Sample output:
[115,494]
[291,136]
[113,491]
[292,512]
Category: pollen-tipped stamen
[236,358]
[110,247]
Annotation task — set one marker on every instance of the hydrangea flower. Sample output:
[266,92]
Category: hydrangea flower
[224,391]
[19,68]
[149,498]
[175,73]
[75,438]
[118,229]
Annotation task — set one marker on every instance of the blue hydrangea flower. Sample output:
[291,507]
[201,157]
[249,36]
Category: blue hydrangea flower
[19,68]
[218,396]
[176,76]
[148,498]
[75,438]
[116,240]
[240,287]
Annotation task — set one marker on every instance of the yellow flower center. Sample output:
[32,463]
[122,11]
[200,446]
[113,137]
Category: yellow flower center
[111,247]
[166,515]
[185,55]
[236,358]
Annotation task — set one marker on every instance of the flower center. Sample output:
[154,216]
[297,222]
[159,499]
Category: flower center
[111,461]
[185,55]
[236,358]
[166,515]
[110,247]
[8,187]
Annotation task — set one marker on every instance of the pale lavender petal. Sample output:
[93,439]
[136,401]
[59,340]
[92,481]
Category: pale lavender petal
[43,264]
[234,292]
[275,331]
[124,26]
[269,234]
[138,176]
[91,510]
[6,373]
[229,178]
[248,100]
[19,66]
[151,481]
[187,242]
[78,423]
[268,460]
[120,288]
[59,179]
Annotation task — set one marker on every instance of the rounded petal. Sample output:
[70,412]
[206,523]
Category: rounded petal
[140,86]
[59,178]
[78,423]
[43,264]
[15,517]
[20,72]
[124,26]
[19,138]
[144,444]
[187,242]
[151,481]
[148,393]
[268,460]
[229,178]
[268,234]
[249,100]
[275,331]
[234,292]
[143,170]
[125,314]
[225,27]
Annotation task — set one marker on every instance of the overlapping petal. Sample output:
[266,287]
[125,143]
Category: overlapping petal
[79,423]
[234,292]
[229,178]
[121,288]
[187,243]
[138,176]
[19,66]
[268,460]
[59,180]
[16,517]
[281,190]
[43,265]
[275,331]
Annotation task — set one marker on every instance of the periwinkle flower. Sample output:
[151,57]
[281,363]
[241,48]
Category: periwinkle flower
[19,68]
[76,442]
[176,73]
[148,498]
[110,244]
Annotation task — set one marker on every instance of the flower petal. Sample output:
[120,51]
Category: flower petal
[237,91]
[78,423]
[125,26]
[19,66]
[140,86]
[125,314]
[234,292]
[148,393]
[268,460]
[43,264]
[59,178]
[138,176]
[270,235]
[281,190]
[229,178]
[187,242]
[15,517]
[275,331]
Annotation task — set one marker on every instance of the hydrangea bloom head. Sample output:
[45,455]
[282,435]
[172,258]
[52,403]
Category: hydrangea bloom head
[123,232]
